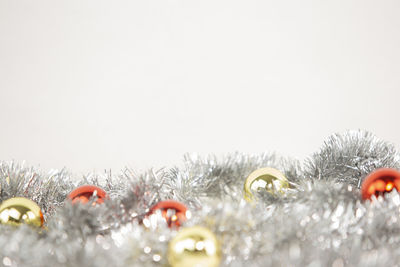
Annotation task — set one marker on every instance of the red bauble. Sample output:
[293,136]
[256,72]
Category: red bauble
[83,194]
[172,211]
[380,182]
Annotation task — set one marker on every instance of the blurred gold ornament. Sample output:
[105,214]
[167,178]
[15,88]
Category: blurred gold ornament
[268,179]
[194,246]
[18,210]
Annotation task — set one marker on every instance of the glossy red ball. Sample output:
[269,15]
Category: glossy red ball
[84,193]
[380,182]
[174,212]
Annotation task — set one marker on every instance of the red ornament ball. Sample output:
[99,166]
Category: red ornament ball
[83,194]
[380,182]
[174,212]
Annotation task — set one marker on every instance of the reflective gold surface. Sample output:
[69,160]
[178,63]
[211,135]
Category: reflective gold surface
[18,210]
[268,179]
[194,246]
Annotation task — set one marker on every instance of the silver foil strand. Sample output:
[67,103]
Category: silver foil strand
[319,221]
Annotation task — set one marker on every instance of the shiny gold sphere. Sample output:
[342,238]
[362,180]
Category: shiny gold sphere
[18,210]
[268,179]
[194,246]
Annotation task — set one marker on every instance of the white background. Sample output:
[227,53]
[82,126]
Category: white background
[93,85]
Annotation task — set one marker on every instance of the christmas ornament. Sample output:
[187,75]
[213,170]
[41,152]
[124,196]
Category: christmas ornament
[18,210]
[194,246]
[380,182]
[83,194]
[174,212]
[268,179]
[322,222]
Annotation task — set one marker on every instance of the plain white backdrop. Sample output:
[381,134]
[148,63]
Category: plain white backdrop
[93,85]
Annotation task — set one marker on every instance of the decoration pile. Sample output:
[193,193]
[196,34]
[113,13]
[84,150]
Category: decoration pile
[338,208]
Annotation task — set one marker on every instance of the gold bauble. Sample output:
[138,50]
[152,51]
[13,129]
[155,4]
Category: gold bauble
[18,210]
[268,179]
[194,246]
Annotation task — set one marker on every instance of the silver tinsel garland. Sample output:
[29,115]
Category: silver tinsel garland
[320,221]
